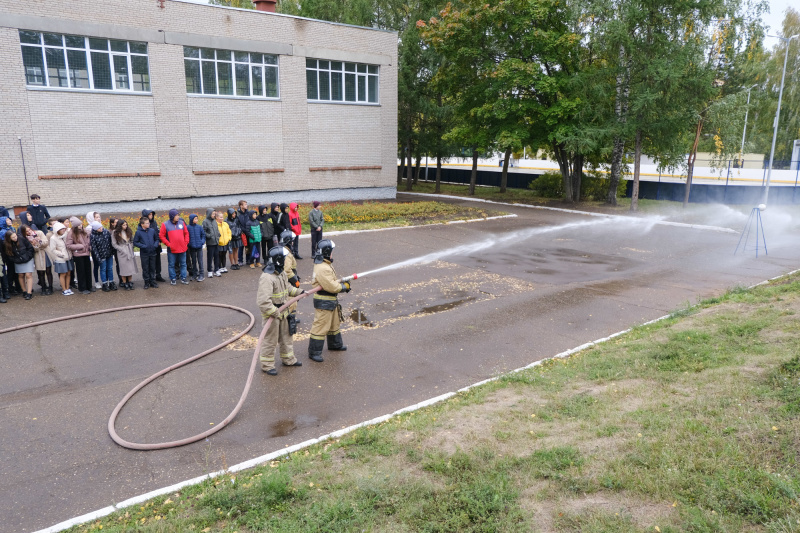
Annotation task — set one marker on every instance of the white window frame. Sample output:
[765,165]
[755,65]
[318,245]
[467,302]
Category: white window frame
[360,70]
[87,53]
[232,61]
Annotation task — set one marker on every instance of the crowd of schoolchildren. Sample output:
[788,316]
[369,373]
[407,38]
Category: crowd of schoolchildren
[76,251]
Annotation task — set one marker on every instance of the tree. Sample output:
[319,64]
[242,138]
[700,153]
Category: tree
[244,4]
[508,70]
[766,99]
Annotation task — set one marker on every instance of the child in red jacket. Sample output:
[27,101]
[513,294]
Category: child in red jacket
[296,227]
[175,236]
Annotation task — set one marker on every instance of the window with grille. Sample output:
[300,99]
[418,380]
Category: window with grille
[230,73]
[89,63]
[338,81]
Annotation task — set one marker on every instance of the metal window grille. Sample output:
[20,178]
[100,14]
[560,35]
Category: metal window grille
[230,73]
[84,63]
[338,81]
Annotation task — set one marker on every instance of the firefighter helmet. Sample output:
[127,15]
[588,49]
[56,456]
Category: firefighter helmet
[277,256]
[324,249]
[286,237]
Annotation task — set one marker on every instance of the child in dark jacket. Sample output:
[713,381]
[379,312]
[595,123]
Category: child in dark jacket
[197,237]
[146,240]
[236,238]
[103,255]
[151,216]
[267,230]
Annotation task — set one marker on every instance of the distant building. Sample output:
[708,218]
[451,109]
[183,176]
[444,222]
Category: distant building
[138,100]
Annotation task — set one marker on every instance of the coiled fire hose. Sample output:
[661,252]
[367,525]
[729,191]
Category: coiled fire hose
[253,365]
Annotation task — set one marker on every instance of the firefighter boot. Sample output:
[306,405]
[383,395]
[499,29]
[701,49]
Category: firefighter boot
[315,349]
[335,343]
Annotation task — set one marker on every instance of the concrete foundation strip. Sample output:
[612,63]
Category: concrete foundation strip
[574,212]
[94,515]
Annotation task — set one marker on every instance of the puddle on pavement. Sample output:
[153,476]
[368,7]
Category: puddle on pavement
[286,426]
[360,319]
[445,307]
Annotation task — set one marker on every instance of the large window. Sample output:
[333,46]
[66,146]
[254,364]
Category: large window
[337,81]
[75,62]
[229,73]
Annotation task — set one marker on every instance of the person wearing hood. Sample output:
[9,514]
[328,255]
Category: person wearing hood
[20,251]
[39,213]
[175,236]
[297,228]
[277,221]
[26,219]
[103,255]
[267,231]
[151,215]
[44,267]
[242,217]
[197,238]
[146,240]
[62,259]
[253,231]
[236,238]
[9,282]
[94,216]
[79,243]
[212,241]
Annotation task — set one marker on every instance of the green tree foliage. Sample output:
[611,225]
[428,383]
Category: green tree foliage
[244,4]
[508,67]
[765,102]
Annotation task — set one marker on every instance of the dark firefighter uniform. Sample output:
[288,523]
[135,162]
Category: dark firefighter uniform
[273,291]
[327,311]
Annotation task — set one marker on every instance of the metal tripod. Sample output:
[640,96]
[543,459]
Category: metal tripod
[754,218]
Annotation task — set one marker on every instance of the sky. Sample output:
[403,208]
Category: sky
[774,19]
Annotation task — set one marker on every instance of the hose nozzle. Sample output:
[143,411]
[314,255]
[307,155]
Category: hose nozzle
[348,278]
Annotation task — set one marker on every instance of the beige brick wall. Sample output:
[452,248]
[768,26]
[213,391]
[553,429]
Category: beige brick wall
[70,140]
[175,135]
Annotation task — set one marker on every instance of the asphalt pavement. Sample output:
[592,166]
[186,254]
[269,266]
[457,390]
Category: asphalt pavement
[412,333]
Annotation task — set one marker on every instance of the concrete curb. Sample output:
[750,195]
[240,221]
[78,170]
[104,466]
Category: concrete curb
[574,212]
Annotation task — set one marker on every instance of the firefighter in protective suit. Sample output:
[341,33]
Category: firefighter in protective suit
[290,265]
[327,311]
[274,290]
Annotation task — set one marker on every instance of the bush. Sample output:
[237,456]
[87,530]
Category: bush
[594,186]
[548,185]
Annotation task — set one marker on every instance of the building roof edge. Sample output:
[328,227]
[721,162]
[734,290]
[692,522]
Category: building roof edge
[205,4]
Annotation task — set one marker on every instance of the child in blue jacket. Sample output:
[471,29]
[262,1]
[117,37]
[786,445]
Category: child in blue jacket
[194,259]
[146,240]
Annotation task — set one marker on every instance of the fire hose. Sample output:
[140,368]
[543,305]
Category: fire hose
[253,365]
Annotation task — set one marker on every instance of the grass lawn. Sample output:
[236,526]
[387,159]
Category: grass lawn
[689,424]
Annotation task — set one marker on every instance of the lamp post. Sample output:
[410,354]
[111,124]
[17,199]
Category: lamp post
[744,131]
[788,42]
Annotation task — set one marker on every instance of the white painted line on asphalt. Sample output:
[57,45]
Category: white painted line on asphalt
[574,212]
[341,432]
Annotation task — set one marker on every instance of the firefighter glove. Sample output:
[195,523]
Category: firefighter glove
[346,286]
